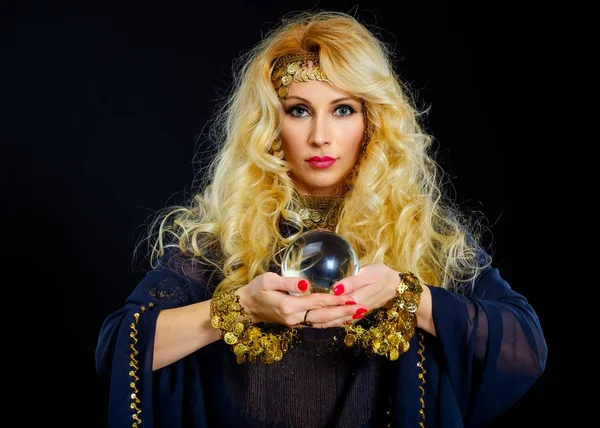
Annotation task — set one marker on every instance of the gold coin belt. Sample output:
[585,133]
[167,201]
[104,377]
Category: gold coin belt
[249,343]
[391,329]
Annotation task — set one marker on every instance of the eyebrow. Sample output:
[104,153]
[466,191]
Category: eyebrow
[337,100]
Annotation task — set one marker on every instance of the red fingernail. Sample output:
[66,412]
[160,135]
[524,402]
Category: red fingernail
[303,285]
[338,289]
[361,311]
[350,302]
[357,316]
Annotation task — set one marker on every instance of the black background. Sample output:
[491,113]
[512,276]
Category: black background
[111,100]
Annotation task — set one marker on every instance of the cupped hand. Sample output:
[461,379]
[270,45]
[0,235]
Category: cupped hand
[374,286]
[266,299]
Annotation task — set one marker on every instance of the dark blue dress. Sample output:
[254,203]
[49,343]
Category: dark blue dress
[489,350]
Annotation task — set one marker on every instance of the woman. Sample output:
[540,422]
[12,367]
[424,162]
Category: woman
[319,133]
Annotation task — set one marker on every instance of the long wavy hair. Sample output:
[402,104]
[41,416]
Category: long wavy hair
[395,210]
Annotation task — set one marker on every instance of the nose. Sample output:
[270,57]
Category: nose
[320,132]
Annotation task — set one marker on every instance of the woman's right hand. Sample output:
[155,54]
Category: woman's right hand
[266,299]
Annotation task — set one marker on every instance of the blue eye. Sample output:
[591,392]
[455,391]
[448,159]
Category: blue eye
[344,110]
[298,111]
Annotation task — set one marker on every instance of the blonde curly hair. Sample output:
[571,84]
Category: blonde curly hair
[395,211]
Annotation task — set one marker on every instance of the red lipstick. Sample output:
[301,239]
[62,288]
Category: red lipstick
[321,162]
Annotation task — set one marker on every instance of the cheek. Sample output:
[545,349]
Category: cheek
[290,146]
[355,139]
[290,136]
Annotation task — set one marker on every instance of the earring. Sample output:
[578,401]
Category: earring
[276,148]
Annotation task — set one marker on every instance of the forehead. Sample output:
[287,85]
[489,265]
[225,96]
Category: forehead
[317,92]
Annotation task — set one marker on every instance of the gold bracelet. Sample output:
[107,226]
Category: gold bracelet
[391,329]
[248,342]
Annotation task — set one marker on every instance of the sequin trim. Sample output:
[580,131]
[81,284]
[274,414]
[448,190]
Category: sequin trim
[422,373]
[134,364]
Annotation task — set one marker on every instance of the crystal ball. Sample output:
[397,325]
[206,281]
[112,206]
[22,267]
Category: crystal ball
[322,258]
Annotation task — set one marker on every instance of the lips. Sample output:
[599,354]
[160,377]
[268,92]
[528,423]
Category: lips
[321,162]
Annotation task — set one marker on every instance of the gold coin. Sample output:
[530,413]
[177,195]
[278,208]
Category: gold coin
[279,73]
[350,340]
[230,338]
[239,349]
[286,80]
[304,214]
[238,328]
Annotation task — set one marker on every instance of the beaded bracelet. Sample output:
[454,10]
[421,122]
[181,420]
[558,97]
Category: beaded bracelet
[391,329]
[248,342]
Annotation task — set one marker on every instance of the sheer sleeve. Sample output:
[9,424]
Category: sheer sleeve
[125,345]
[492,345]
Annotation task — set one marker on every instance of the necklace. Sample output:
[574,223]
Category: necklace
[320,212]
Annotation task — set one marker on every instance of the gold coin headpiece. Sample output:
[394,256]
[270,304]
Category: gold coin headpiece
[296,67]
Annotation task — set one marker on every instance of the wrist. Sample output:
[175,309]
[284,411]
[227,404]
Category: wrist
[424,312]
[409,292]
[245,301]
[390,330]
[247,341]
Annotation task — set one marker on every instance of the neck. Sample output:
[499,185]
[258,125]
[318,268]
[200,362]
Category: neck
[319,212]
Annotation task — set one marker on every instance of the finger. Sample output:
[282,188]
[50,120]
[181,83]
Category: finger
[359,314]
[289,284]
[347,285]
[323,300]
[352,283]
[292,309]
[331,316]
[371,274]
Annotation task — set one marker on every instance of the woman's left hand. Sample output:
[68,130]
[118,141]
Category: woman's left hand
[374,286]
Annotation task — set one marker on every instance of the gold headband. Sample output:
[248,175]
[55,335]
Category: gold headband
[296,67]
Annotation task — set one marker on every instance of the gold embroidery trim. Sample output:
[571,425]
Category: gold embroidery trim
[422,377]
[135,365]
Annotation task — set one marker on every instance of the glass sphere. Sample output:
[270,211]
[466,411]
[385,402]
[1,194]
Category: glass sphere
[322,258]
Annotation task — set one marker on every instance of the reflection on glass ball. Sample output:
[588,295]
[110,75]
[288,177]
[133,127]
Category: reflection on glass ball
[322,258]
